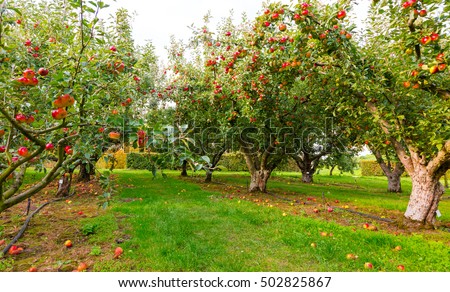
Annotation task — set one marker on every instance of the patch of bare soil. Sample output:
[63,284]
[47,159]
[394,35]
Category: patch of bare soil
[43,242]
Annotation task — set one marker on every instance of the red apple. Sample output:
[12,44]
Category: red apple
[330,209]
[30,119]
[401,267]
[28,43]
[366,225]
[305,12]
[315,210]
[440,57]
[68,243]
[2,133]
[32,269]
[275,15]
[63,101]
[113,49]
[28,73]
[368,266]
[341,14]
[68,149]
[425,40]
[441,67]
[82,267]
[49,146]
[59,114]
[43,72]
[18,21]
[423,13]
[22,151]
[15,250]
[2,149]
[118,252]
[114,135]
[282,27]
[80,213]
[228,33]
[101,129]
[434,69]
[434,37]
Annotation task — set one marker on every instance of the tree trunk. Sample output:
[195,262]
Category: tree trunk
[446,181]
[394,183]
[425,196]
[184,169]
[258,180]
[331,170]
[307,177]
[208,178]
[86,172]
[64,185]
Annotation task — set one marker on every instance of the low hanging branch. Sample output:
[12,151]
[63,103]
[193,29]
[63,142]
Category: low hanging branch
[25,225]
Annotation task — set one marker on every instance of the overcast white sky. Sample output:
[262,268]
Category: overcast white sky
[158,20]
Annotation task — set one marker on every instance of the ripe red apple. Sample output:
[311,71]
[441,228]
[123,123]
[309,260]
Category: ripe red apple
[28,43]
[441,67]
[22,151]
[341,14]
[114,135]
[43,72]
[118,252]
[305,12]
[425,40]
[330,209]
[59,114]
[15,250]
[368,266]
[423,13]
[68,149]
[348,36]
[63,101]
[414,73]
[49,146]
[366,225]
[18,21]
[28,73]
[297,17]
[82,267]
[113,49]
[2,132]
[440,57]
[275,16]
[266,23]
[68,243]
[434,37]
[315,210]
[101,129]
[434,69]
[80,213]
[228,33]
[32,269]
[401,267]
[2,149]
[282,27]
[30,119]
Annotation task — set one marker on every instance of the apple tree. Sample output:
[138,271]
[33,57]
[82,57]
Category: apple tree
[58,90]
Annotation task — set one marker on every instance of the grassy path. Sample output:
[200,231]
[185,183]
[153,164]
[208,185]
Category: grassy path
[174,225]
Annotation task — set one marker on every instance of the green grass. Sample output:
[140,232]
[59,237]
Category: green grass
[177,226]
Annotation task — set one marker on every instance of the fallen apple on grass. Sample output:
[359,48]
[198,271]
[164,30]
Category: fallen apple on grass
[368,266]
[68,243]
[118,252]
